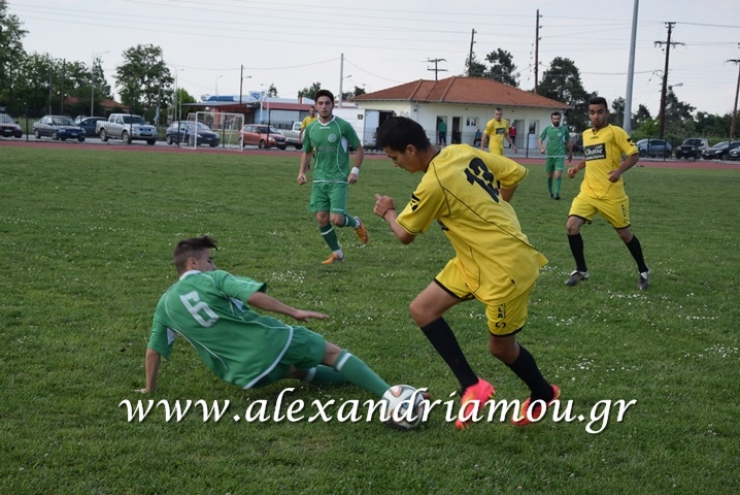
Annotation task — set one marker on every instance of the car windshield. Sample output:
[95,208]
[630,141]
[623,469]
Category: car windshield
[133,119]
[723,144]
[61,120]
[6,119]
[693,142]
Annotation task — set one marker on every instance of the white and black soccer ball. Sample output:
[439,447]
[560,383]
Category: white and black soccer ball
[404,407]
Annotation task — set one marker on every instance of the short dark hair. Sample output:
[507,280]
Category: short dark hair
[555,113]
[323,92]
[398,132]
[187,248]
[498,109]
[598,100]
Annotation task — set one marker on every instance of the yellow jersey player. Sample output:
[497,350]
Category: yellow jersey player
[467,192]
[602,189]
[497,129]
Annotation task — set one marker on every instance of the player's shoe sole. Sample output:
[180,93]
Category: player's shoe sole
[644,282]
[474,395]
[536,413]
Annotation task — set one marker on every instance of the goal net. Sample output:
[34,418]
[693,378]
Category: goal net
[202,125]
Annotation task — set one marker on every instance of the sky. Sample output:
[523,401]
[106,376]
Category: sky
[292,44]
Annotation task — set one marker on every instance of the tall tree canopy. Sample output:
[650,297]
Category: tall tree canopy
[310,91]
[144,79]
[11,52]
[562,82]
[502,67]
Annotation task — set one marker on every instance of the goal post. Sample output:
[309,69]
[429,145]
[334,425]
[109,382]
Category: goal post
[225,125]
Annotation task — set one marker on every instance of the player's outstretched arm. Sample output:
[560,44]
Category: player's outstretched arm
[151,364]
[268,303]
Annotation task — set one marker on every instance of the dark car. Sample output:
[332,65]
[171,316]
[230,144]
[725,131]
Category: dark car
[720,151]
[734,154]
[58,127]
[691,148]
[8,126]
[181,131]
[262,136]
[88,124]
[654,147]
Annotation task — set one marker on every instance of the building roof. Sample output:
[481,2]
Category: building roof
[462,90]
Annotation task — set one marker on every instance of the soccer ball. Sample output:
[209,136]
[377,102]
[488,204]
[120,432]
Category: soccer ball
[404,407]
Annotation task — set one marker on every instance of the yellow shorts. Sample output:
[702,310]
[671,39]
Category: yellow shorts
[616,212]
[504,317]
[496,149]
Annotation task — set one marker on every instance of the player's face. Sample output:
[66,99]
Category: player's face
[325,106]
[312,111]
[555,120]
[598,115]
[204,262]
[497,115]
[406,160]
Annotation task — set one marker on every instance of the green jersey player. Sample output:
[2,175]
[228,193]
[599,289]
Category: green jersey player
[330,138]
[211,309]
[558,141]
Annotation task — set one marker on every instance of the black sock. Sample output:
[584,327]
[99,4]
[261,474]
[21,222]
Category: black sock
[526,368]
[441,337]
[576,247]
[636,251]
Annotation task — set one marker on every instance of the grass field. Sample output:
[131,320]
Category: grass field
[88,236]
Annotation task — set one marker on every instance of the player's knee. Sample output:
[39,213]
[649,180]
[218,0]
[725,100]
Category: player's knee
[572,228]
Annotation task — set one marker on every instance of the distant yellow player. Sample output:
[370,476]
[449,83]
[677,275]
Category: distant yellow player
[498,130]
[602,189]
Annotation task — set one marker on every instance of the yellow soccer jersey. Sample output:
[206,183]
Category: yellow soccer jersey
[307,120]
[496,131]
[603,152]
[460,191]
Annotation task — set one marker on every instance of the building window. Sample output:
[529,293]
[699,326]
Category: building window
[471,122]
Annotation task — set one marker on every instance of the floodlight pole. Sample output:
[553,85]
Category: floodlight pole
[737,91]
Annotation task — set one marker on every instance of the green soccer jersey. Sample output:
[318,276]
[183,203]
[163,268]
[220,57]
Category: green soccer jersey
[557,140]
[209,310]
[331,142]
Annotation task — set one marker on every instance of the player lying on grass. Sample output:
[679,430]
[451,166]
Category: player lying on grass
[467,191]
[210,308]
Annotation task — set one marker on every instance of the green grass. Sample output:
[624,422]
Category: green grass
[87,236]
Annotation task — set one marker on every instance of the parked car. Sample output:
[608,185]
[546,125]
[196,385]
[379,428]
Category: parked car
[89,124]
[58,127]
[692,148]
[127,128]
[291,135]
[654,147]
[262,135]
[720,151]
[734,154]
[9,127]
[182,131]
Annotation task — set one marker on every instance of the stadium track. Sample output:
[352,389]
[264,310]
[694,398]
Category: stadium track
[712,165]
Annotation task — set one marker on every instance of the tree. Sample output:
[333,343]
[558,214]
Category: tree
[618,111]
[474,67]
[641,116]
[272,91]
[144,79]
[562,82]
[351,94]
[502,67]
[11,53]
[310,91]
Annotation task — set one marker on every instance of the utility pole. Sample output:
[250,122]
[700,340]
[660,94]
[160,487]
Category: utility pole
[470,56]
[341,80]
[737,91]
[668,45]
[536,51]
[627,121]
[64,68]
[436,61]
[241,81]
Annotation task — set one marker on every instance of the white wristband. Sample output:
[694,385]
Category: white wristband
[355,171]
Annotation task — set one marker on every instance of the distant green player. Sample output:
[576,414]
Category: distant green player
[210,309]
[331,138]
[558,140]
